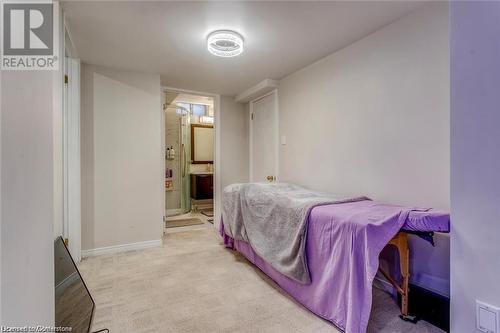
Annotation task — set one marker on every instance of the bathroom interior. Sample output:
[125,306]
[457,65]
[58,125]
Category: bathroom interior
[189,156]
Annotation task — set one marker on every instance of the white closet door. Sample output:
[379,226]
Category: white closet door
[71,159]
[263,138]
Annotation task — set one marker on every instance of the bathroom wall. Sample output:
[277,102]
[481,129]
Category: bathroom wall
[200,168]
[206,166]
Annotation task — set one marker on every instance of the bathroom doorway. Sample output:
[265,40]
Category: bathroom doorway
[189,159]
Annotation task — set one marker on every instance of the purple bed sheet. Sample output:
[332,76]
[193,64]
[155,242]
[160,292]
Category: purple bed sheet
[342,270]
[427,220]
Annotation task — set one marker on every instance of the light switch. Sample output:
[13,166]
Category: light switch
[283,140]
[487,317]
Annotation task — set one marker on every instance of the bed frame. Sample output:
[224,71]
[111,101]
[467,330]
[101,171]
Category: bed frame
[400,242]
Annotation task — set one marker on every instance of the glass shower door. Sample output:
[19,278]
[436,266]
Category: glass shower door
[185,147]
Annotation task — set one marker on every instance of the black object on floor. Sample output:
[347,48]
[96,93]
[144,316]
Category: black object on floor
[74,305]
[429,306]
[409,318]
[210,220]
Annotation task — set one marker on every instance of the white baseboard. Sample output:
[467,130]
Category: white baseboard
[432,283]
[121,248]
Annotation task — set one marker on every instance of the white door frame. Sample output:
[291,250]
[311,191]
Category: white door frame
[71,159]
[217,150]
[276,133]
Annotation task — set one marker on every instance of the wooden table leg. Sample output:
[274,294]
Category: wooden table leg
[400,242]
[404,266]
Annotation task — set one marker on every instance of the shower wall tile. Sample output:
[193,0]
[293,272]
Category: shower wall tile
[172,138]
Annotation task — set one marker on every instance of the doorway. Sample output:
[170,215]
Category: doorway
[264,138]
[189,159]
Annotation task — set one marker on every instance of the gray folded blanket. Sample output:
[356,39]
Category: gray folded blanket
[272,217]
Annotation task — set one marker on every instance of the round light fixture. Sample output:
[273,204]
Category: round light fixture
[225,43]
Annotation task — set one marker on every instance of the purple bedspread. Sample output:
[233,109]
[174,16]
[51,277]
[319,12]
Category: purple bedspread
[342,248]
[427,220]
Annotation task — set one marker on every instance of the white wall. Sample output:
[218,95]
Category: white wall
[27,229]
[373,119]
[122,158]
[1,104]
[475,159]
[57,109]
[234,143]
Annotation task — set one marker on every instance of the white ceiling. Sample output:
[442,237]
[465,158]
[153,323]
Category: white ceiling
[169,37]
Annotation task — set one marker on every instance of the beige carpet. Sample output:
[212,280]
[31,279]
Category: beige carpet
[183,222]
[193,284]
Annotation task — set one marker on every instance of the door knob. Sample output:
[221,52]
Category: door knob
[270,178]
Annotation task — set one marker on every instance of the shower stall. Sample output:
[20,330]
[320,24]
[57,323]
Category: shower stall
[177,156]
[189,155]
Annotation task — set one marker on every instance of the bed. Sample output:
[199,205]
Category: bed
[342,243]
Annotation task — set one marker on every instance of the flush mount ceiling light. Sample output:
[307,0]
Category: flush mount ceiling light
[225,43]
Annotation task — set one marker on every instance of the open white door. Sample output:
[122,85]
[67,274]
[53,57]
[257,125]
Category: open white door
[264,138]
[71,158]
